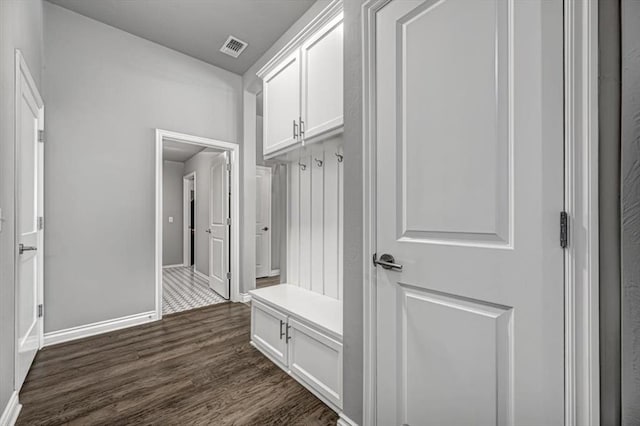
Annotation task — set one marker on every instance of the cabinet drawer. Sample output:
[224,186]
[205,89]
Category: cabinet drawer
[268,328]
[316,360]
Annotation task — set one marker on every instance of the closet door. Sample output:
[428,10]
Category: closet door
[322,89]
[282,105]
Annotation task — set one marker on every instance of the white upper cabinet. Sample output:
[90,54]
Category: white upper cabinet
[322,72]
[303,91]
[282,105]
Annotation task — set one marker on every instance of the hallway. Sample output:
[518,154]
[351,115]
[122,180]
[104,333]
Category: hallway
[183,290]
[192,367]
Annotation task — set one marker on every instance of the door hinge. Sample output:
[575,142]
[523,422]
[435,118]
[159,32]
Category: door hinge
[40,311]
[564,230]
[228,275]
[229,221]
[229,166]
[41,136]
[40,223]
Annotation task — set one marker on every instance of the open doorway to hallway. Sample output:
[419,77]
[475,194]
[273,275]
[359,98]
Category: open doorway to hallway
[194,223]
[271,190]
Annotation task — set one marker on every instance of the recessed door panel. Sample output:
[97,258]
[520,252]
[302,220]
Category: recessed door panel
[453,129]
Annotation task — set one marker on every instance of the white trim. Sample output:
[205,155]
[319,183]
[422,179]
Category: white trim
[582,369]
[11,411]
[173,266]
[200,274]
[186,207]
[582,363]
[245,297]
[234,151]
[345,421]
[324,17]
[274,272]
[100,327]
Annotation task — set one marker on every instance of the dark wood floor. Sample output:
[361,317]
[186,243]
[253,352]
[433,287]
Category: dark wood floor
[267,281]
[194,367]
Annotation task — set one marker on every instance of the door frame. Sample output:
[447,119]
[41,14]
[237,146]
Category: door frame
[23,74]
[270,172]
[582,364]
[234,252]
[186,207]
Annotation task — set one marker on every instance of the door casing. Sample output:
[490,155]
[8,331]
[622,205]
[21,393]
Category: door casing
[234,151]
[582,394]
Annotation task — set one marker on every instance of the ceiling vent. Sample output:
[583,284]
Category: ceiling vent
[233,46]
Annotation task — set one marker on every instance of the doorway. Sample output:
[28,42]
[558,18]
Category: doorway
[207,240]
[189,222]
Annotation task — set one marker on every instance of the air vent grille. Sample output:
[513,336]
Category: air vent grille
[233,46]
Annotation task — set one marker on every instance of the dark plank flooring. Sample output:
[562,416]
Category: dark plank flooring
[267,281]
[194,367]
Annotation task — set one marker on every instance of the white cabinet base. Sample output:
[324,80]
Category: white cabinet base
[309,345]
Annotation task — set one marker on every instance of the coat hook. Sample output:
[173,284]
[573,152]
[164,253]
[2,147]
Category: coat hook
[340,157]
[302,166]
[318,162]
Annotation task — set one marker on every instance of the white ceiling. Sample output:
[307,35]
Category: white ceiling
[198,28]
[177,151]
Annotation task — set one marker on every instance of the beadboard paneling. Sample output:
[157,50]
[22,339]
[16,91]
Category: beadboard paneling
[315,220]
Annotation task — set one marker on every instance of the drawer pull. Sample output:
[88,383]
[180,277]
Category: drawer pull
[281,332]
[288,337]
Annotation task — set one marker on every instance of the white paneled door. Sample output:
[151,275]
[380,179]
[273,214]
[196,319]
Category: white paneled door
[263,221]
[29,209]
[469,148]
[219,198]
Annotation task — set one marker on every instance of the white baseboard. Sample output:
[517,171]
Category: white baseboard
[88,330]
[200,274]
[345,421]
[274,272]
[11,411]
[245,297]
[173,266]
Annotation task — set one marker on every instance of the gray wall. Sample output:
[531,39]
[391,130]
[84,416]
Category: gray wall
[106,92]
[201,164]
[20,28]
[353,231]
[172,205]
[630,212]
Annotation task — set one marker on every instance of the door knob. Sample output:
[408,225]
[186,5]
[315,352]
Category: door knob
[22,248]
[387,261]
[266,228]
[208,231]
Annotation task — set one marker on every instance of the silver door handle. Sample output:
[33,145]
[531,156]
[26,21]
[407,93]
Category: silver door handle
[22,248]
[387,261]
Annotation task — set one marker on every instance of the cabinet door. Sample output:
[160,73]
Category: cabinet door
[268,328]
[322,91]
[282,105]
[316,360]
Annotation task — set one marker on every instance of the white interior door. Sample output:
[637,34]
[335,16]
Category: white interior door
[29,207]
[219,227]
[263,221]
[469,148]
